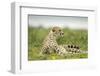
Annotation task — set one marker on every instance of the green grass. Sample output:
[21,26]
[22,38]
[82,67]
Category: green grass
[37,35]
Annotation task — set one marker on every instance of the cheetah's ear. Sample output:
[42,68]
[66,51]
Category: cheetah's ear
[53,30]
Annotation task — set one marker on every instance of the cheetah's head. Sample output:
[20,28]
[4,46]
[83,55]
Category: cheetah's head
[57,31]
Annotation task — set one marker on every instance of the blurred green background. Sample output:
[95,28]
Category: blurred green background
[36,35]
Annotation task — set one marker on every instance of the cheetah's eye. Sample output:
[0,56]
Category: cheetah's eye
[59,30]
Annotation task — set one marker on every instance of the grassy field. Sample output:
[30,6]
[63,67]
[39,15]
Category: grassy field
[37,35]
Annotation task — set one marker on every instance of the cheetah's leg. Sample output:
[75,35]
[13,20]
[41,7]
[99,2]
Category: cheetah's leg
[60,50]
[45,50]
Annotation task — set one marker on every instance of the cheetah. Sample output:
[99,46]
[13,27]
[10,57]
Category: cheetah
[50,44]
